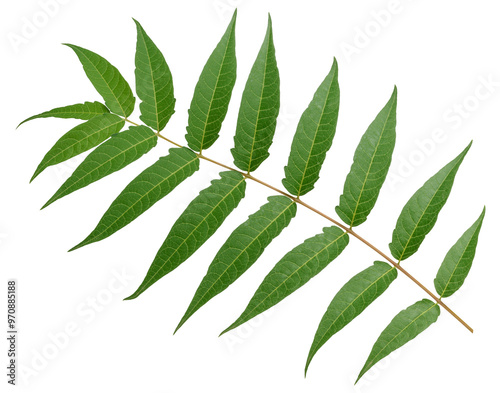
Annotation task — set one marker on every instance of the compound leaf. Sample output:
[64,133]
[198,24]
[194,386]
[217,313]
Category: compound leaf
[259,109]
[107,80]
[352,299]
[405,326]
[81,138]
[111,156]
[212,93]
[458,261]
[84,111]
[154,84]
[294,270]
[370,166]
[242,249]
[197,223]
[313,137]
[144,191]
[421,212]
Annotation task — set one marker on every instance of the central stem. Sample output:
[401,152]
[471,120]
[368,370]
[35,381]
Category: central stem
[335,222]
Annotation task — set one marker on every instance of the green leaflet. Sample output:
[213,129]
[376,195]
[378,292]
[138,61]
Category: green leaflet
[259,109]
[197,223]
[313,137]
[294,270]
[84,111]
[421,212]
[144,191]
[242,249]
[153,82]
[370,166]
[107,80]
[405,326]
[352,299]
[212,93]
[111,156]
[458,261]
[80,139]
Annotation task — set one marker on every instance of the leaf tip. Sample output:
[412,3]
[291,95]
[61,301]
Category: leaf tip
[79,245]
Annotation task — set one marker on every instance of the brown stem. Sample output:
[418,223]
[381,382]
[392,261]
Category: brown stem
[335,222]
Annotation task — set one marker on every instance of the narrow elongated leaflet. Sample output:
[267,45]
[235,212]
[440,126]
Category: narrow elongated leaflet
[370,166]
[111,156]
[405,326]
[144,191]
[84,111]
[421,212]
[242,249]
[80,139]
[294,270]
[107,80]
[153,82]
[458,261]
[352,299]
[314,136]
[203,216]
[212,93]
[259,109]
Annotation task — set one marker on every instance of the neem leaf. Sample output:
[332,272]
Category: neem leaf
[352,299]
[240,251]
[212,93]
[259,109]
[313,137]
[144,191]
[421,211]
[294,270]
[370,166]
[405,326]
[81,138]
[458,261]
[107,80]
[84,111]
[153,82]
[116,153]
[203,216]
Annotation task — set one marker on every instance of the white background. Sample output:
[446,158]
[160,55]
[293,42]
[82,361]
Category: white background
[439,54]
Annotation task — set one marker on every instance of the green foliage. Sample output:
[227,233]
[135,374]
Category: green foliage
[111,156]
[405,326]
[153,82]
[314,136]
[84,111]
[107,80]
[294,270]
[144,191]
[369,169]
[203,216]
[352,299]
[254,134]
[242,249]
[212,93]
[458,261]
[421,212]
[80,139]
[259,109]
